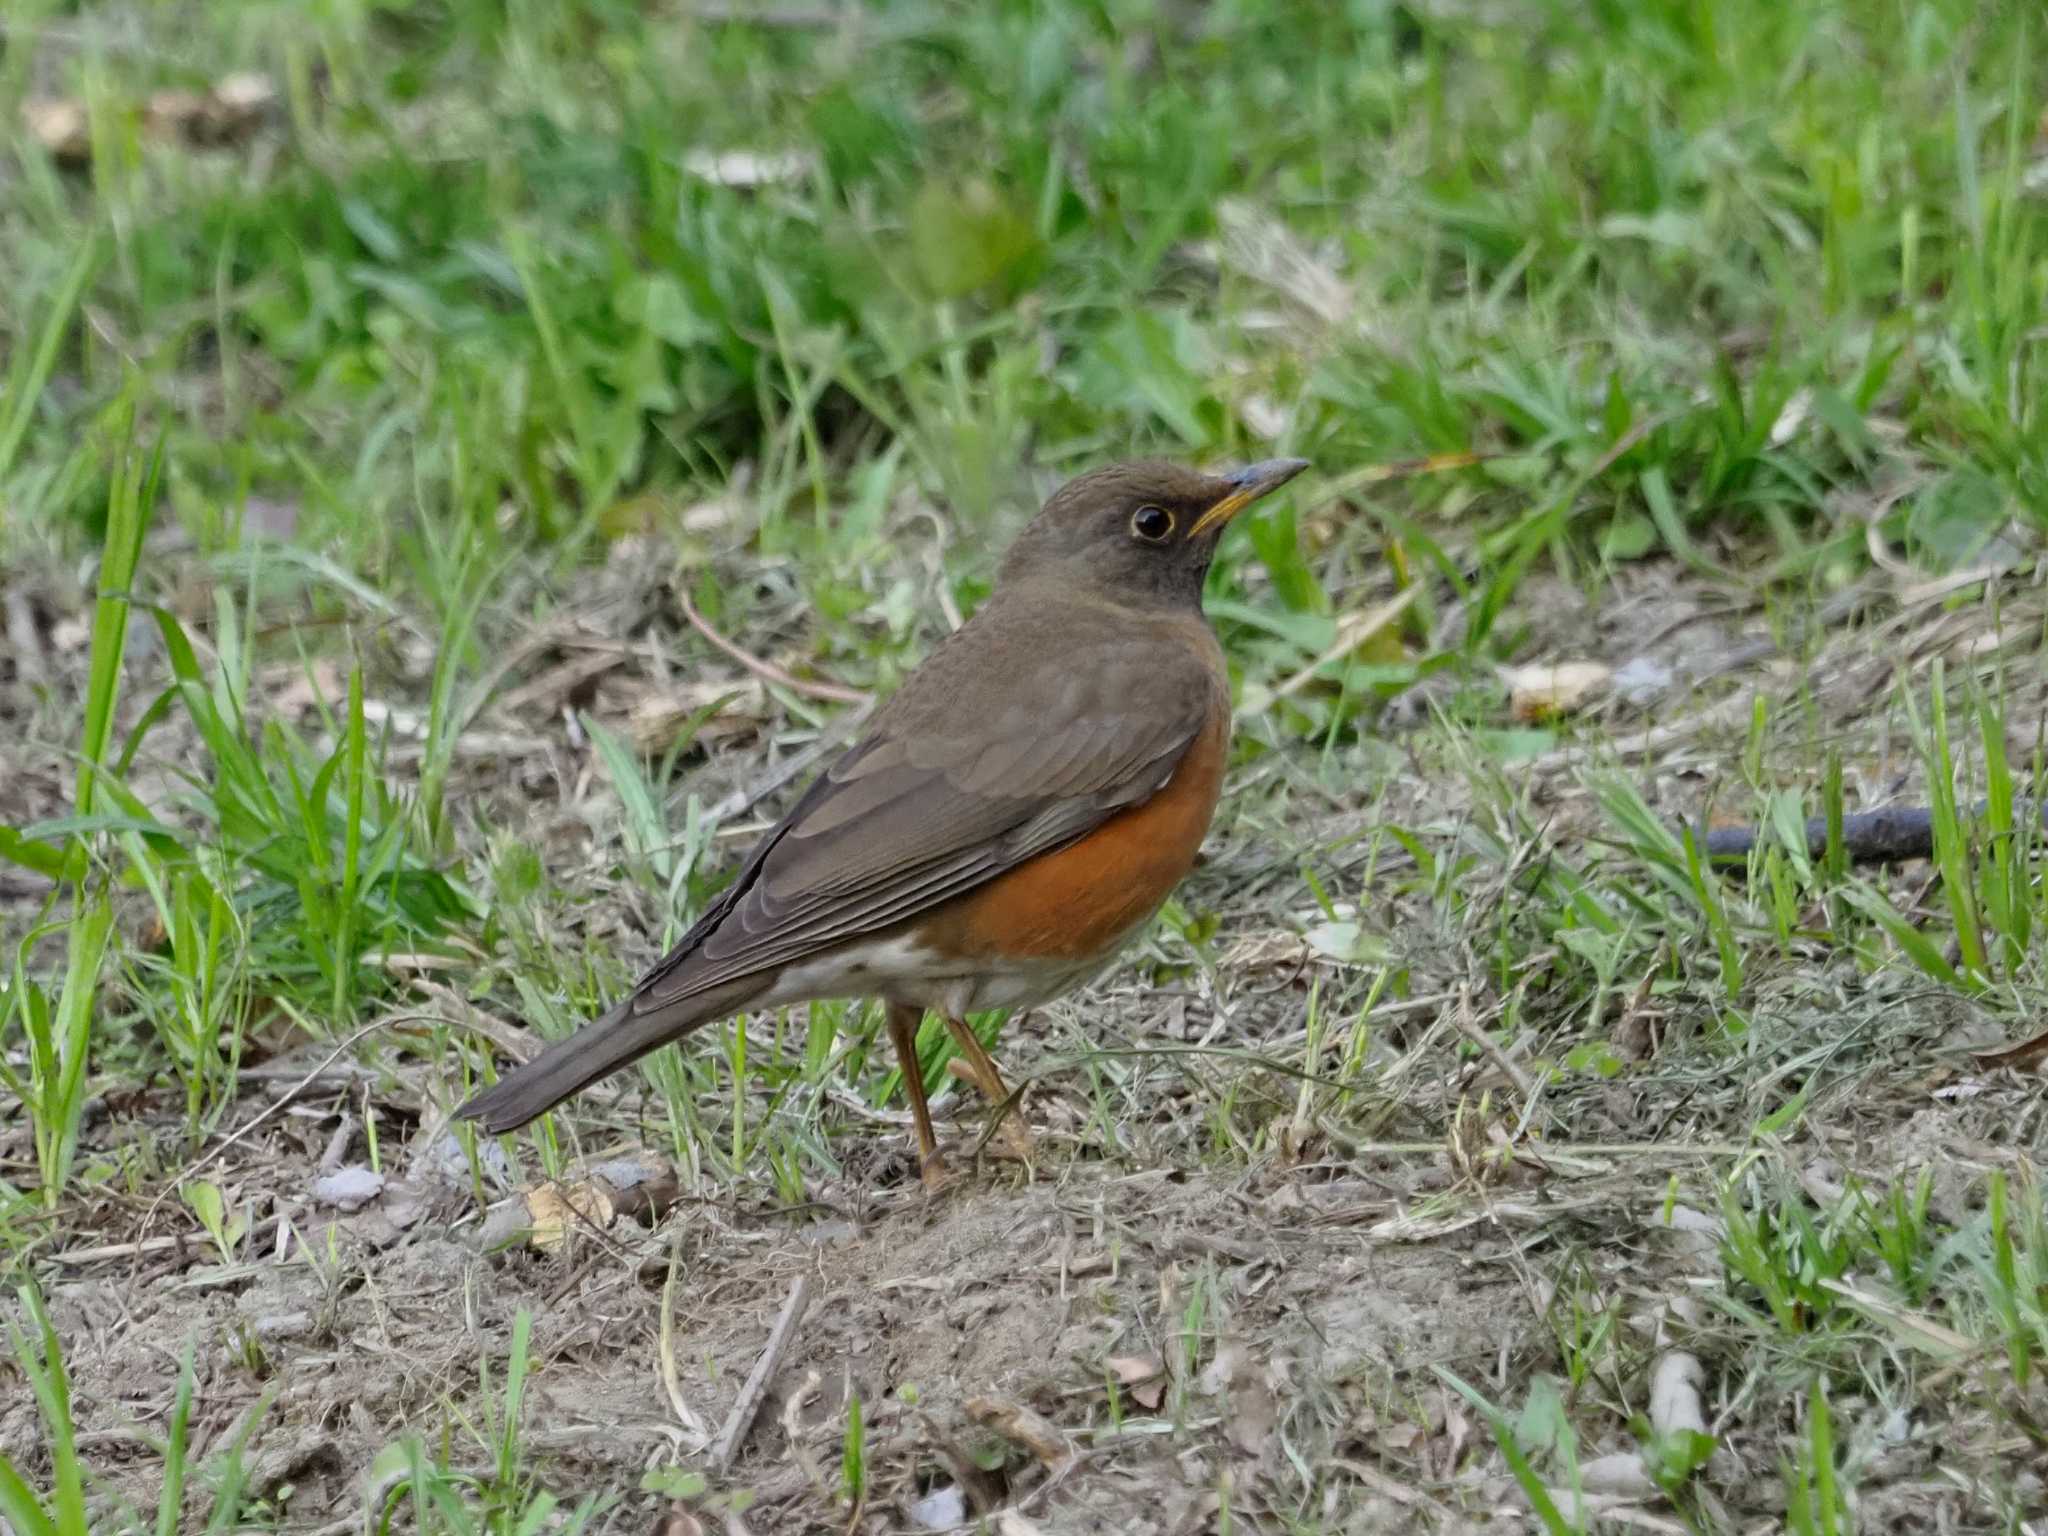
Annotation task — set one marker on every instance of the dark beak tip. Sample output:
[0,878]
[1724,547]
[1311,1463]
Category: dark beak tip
[1269,474]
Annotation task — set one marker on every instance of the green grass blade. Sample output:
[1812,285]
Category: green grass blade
[19,1506]
[127,520]
[1920,949]
[170,1505]
[64,1096]
[33,366]
[42,1359]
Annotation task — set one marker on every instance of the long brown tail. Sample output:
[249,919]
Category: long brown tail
[600,1048]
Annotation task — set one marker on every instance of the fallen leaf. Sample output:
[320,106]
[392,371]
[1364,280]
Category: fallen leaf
[1348,943]
[1265,419]
[270,517]
[233,106]
[58,125]
[1022,1426]
[678,1521]
[1252,1413]
[376,1220]
[2024,1057]
[1403,1438]
[1547,690]
[1792,417]
[220,114]
[552,1208]
[442,1160]
[619,1189]
[1143,1379]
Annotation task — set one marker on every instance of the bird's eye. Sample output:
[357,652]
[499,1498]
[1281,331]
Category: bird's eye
[1152,524]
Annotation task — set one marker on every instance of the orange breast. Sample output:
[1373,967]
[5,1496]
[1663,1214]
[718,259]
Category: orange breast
[1084,899]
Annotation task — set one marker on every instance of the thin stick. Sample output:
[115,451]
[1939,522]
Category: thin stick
[132,1250]
[767,669]
[1468,1026]
[749,1403]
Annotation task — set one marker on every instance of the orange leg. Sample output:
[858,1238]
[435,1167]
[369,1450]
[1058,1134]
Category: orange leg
[980,1068]
[903,1022]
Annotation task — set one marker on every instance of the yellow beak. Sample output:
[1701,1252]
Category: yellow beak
[1247,486]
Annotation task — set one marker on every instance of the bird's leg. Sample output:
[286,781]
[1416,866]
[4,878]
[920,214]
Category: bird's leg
[903,1022]
[1011,1130]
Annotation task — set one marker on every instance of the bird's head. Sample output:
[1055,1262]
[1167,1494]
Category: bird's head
[1141,532]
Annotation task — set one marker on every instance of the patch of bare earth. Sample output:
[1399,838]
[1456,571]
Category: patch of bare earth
[1221,1296]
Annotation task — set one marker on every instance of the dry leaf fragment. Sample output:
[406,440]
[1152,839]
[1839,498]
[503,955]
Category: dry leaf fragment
[610,1192]
[233,106]
[224,112]
[1547,690]
[1143,1379]
[59,125]
[1253,1412]
[2024,1057]
[678,1521]
[1021,1426]
[552,1208]
[244,95]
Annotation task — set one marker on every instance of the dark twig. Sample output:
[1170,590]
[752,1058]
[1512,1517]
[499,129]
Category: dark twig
[1892,835]
[741,1419]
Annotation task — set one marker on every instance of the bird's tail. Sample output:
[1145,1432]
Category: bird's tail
[600,1048]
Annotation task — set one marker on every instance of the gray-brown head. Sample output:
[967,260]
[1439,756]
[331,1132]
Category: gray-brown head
[1142,532]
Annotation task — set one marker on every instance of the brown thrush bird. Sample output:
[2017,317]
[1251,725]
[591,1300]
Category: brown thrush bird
[1009,819]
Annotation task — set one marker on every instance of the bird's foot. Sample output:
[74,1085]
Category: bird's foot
[934,1173]
[1011,1139]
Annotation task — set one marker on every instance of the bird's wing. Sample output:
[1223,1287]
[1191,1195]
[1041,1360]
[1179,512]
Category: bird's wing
[943,794]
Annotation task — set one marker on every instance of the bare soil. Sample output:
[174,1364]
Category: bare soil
[1198,1330]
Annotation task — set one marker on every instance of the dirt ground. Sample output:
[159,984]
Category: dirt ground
[1145,1333]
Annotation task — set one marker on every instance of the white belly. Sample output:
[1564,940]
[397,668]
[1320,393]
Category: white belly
[901,970]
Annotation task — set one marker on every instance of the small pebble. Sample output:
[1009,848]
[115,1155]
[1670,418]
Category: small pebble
[941,1509]
[348,1189]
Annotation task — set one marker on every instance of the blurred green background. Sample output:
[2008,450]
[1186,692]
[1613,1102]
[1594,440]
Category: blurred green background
[517,278]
